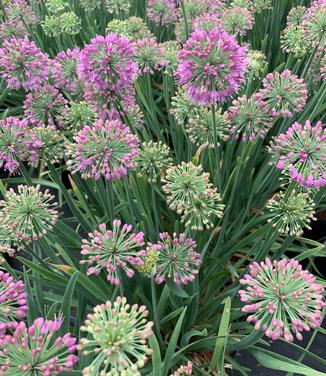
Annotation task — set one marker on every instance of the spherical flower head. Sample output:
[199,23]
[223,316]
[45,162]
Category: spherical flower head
[183,184]
[117,336]
[261,5]
[28,213]
[170,56]
[294,40]
[200,127]
[283,300]
[248,118]
[106,64]
[17,143]
[183,107]
[257,63]
[118,6]
[153,160]
[161,12]
[105,149]
[133,28]
[22,64]
[200,214]
[70,23]
[314,23]
[284,94]
[295,15]
[237,20]
[206,22]
[212,66]
[90,5]
[149,55]
[177,259]
[13,305]
[135,116]
[78,115]
[51,26]
[51,143]
[65,72]
[115,250]
[301,154]
[45,107]
[290,214]
[55,6]
[183,370]
[37,350]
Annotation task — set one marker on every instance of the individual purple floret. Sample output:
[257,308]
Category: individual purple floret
[22,64]
[301,153]
[212,66]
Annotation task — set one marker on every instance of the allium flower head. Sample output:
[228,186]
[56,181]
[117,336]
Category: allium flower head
[257,62]
[45,107]
[133,28]
[114,250]
[105,149]
[90,5]
[314,23]
[51,26]
[161,12]
[183,183]
[212,66]
[106,64]
[183,107]
[51,146]
[291,214]
[200,127]
[35,351]
[70,23]
[177,259]
[295,15]
[65,71]
[283,94]
[78,115]
[22,64]
[248,118]
[118,6]
[55,6]
[260,5]
[17,143]
[183,370]
[199,214]
[149,55]
[283,300]
[153,160]
[170,56]
[117,335]
[301,153]
[135,116]
[28,212]
[237,20]
[294,40]
[206,22]
[13,305]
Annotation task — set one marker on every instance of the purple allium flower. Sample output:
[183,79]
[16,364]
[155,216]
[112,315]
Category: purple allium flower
[212,66]
[106,64]
[295,15]
[13,306]
[17,143]
[117,336]
[282,298]
[114,250]
[177,259]
[161,12]
[36,348]
[19,16]
[290,214]
[23,65]
[284,94]
[301,153]
[149,55]
[206,22]
[237,20]
[78,115]
[249,118]
[105,149]
[28,213]
[183,370]
[45,107]
[294,40]
[65,71]
[314,23]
